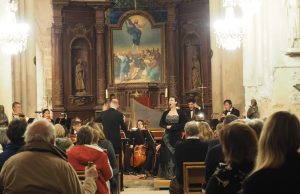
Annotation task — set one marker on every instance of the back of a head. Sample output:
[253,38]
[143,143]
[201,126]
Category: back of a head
[96,131]
[280,135]
[59,131]
[40,131]
[205,132]
[239,143]
[85,135]
[191,129]
[257,125]
[229,118]
[16,130]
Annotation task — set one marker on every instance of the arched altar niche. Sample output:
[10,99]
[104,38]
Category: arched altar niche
[191,58]
[81,67]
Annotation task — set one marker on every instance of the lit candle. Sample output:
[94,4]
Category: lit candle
[106,94]
[166,93]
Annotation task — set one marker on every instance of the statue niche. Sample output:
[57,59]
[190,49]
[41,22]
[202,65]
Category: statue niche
[81,72]
[192,62]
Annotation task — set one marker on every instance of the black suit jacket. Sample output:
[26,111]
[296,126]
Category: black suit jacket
[112,121]
[213,158]
[234,111]
[196,112]
[190,150]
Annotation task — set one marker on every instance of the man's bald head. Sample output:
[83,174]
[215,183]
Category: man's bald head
[40,131]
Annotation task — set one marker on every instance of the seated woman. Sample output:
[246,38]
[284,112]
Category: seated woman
[239,145]
[100,141]
[83,153]
[277,168]
[136,138]
[61,140]
[46,115]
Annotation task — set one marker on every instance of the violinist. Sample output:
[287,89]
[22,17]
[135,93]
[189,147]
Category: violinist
[46,115]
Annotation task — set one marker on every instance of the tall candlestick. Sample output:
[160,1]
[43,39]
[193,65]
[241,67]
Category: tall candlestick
[166,93]
[106,94]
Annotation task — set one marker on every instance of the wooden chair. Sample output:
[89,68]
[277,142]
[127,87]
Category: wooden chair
[119,175]
[193,177]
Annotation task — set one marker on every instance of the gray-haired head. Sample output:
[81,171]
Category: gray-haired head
[191,129]
[40,131]
[257,125]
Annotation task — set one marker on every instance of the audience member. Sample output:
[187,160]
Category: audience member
[75,125]
[42,168]
[3,117]
[277,168]
[15,133]
[205,132]
[193,149]
[239,145]
[61,140]
[83,152]
[257,125]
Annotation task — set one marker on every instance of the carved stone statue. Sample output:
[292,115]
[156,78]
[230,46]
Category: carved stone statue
[294,22]
[252,112]
[196,73]
[79,78]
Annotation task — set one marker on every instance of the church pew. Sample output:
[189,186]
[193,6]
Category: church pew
[193,177]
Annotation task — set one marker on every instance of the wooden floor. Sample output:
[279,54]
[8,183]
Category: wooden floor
[137,184]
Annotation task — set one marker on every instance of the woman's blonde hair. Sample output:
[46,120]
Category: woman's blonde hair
[205,132]
[280,134]
[97,131]
[59,131]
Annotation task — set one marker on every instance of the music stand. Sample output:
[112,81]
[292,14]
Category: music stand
[149,137]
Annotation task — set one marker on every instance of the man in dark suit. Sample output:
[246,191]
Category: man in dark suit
[194,112]
[113,121]
[190,150]
[229,109]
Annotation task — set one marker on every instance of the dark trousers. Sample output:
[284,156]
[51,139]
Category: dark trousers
[120,152]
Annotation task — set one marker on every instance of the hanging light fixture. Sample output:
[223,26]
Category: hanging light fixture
[229,31]
[13,35]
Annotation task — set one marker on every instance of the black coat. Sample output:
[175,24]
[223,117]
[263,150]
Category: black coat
[196,111]
[213,158]
[285,179]
[190,150]
[176,129]
[112,121]
[234,111]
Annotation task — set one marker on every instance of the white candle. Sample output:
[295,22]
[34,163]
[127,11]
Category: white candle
[106,94]
[166,93]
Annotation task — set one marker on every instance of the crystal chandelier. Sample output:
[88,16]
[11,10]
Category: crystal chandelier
[13,35]
[229,31]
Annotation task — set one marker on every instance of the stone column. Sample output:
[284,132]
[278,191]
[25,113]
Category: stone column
[57,79]
[171,47]
[100,56]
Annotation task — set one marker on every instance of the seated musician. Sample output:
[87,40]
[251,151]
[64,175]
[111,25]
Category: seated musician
[136,138]
[17,111]
[190,150]
[75,127]
[46,115]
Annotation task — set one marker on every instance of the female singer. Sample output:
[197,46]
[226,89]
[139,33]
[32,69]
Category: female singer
[173,121]
[46,115]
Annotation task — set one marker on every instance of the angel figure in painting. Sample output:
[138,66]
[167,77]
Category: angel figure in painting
[134,29]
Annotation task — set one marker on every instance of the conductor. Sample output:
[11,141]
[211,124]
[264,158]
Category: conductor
[113,121]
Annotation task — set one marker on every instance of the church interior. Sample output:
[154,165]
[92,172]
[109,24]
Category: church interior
[75,59]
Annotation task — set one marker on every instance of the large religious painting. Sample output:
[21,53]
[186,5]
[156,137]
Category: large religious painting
[137,51]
